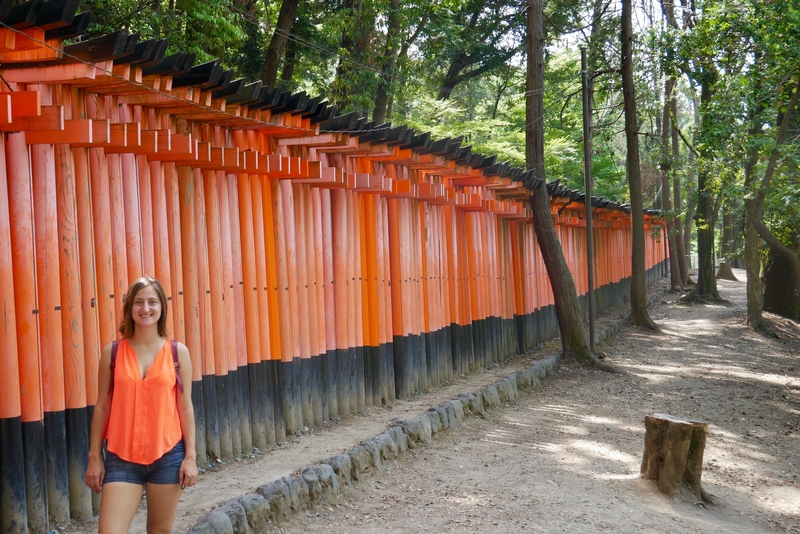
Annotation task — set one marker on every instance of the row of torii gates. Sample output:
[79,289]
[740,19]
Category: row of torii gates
[315,264]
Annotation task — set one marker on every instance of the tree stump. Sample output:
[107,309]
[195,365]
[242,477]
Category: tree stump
[673,454]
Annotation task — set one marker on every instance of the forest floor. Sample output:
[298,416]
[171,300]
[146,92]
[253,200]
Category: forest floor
[566,457]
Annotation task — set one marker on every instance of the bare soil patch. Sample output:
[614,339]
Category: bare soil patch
[566,458]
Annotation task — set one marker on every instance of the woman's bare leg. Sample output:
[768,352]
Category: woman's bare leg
[118,504]
[162,504]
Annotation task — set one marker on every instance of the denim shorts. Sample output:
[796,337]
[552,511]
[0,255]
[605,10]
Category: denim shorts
[165,470]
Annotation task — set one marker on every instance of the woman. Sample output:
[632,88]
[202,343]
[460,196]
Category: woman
[146,418]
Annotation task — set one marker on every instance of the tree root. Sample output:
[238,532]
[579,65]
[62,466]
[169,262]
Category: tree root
[590,360]
[694,296]
[646,323]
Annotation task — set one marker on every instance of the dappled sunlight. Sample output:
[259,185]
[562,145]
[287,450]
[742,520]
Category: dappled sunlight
[769,378]
[783,499]
[611,476]
[465,500]
[604,451]
[655,378]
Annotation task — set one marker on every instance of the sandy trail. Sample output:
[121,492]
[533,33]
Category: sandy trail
[566,457]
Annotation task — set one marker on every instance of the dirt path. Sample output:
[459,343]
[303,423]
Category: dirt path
[566,457]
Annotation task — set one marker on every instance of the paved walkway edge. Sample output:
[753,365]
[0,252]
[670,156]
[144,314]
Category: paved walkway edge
[319,483]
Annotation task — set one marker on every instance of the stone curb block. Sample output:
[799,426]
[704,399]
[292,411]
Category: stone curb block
[278,499]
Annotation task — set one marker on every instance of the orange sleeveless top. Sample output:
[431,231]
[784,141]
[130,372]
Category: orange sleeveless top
[144,422]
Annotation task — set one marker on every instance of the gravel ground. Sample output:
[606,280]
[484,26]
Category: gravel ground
[566,457]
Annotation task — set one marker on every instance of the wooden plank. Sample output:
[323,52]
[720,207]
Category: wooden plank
[28,39]
[8,40]
[5,108]
[164,139]
[101,134]
[53,49]
[55,73]
[25,103]
[52,118]
[75,131]
[148,142]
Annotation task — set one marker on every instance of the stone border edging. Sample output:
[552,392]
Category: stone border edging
[317,483]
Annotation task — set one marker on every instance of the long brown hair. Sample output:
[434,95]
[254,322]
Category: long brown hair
[127,326]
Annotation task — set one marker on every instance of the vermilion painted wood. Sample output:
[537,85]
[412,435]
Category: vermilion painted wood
[235,348]
[23,259]
[88,282]
[250,292]
[269,350]
[215,270]
[188,253]
[273,284]
[10,403]
[48,290]
[173,231]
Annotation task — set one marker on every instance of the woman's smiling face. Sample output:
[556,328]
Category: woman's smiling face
[146,309]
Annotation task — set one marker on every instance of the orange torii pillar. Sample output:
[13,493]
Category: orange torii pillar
[20,204]
[345,366]
[214,261]
[255,377]
[50,334]
[234,314]
[329,361]
[289,350]
[270,291]
[320,369]
[13,503]
[191,301]
[77,423]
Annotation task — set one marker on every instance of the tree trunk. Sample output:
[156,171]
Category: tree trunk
[272,58]
[666,168]
[673,454]
[677,224]
[725,271]
[387,64]
[752,263]
[639,314]
[781,294]
[570,323]
[704,218]
[346,87]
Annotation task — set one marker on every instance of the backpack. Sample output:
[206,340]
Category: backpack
[174,346]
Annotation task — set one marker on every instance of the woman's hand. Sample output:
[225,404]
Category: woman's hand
[95,473]
[188,473]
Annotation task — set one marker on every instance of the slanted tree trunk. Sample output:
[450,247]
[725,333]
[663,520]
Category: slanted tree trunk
[272,58]
[639,314]
[570,322]
[725,271]
[791,257]
[673,454]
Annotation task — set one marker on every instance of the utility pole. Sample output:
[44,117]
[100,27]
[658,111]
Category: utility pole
[587,177]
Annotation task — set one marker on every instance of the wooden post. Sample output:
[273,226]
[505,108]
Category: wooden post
[673,454]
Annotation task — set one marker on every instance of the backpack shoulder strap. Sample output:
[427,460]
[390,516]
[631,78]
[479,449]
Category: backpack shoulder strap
[178,379]
[113,366]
